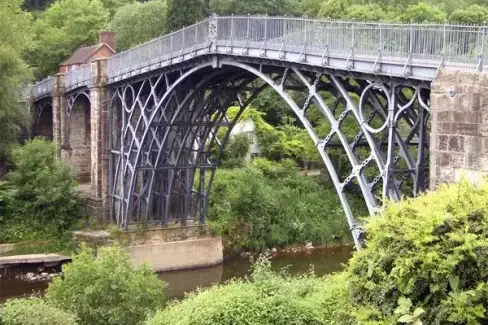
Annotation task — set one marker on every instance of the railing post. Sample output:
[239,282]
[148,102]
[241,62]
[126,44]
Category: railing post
[380,45]
[444,41]
[352,34]
[482,50]
[213,31]
[411,36]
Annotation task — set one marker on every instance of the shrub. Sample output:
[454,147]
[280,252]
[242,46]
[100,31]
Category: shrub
[264,298]
[426,260]
[269,204]
[41,190]
[33,311]
[107,290]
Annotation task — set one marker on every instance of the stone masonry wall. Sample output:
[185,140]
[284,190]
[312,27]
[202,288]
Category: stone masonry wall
[79,156]
[459,129]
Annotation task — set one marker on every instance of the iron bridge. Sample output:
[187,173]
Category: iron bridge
[370,81]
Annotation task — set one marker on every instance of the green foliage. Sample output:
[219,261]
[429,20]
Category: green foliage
[334,8]
[183,13]
[253,7]
[264,298]
[235,151]
[423,12]
[426,260]
[369,12]
[108,290]
[474,14]
[42,193]
[33,311]
[15,37]
[62,28]
[113,6]
[269,204]
[137,22]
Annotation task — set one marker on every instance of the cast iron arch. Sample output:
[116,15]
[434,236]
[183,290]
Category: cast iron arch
[387,104]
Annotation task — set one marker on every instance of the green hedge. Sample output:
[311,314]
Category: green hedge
[265,298]
[108,290]
[33,311]
[269,204]
[426,260]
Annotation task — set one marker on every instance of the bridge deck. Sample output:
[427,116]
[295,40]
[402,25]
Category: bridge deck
[409,51]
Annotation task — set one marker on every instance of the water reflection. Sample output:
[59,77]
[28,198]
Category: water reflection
[324,261]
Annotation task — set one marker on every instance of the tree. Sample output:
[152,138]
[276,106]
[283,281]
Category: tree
[34,5]
[14,39]
[183,13]
[44,190]
[423,12]
[136,23]
[334,8]
[370,12]
[64,27]
[253,7]
[113,5]
[474,14]
[108,290]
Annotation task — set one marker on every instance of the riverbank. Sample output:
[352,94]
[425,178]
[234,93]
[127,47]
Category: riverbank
[325,260]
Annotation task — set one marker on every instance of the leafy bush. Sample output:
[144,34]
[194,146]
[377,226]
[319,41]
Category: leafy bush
[107,290]
[41,193]
[426,260]
[264,298]
[270,204]
[33,311]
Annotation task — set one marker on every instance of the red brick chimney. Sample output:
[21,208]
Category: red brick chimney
[109,38]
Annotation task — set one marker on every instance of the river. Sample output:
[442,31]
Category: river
[324,261]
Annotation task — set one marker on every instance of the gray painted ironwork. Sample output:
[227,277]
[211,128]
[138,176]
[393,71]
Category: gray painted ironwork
[78,77]
[43,88]
[169,99]
[163,127]
[414,51]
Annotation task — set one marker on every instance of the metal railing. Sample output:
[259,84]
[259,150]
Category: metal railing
[78,77]
[160,49]
[425,45]
[43,88]
[456,44]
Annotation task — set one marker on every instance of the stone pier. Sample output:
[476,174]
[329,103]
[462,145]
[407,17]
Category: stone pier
[459,132]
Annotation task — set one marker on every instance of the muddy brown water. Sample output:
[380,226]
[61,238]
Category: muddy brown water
[323,260]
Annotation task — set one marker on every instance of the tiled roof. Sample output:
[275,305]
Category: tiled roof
[83,54]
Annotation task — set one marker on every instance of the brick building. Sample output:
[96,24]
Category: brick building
[105,48]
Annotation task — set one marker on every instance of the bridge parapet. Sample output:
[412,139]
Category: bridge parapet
[160,50]
[403,50]
[416,51]
[78,77]
[43,88]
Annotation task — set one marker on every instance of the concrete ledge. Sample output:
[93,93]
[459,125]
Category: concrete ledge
[50,259]
[179,255]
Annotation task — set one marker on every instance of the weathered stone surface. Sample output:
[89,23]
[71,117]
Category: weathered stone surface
[459,127]
[8,261]
[178,255]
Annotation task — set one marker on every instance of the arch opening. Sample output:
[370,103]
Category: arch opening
[43,121]
[77,146]
[171,122]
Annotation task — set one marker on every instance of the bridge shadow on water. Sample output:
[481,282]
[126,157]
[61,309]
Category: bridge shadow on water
[324,261]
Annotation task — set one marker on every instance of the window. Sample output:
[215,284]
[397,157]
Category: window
[250,136]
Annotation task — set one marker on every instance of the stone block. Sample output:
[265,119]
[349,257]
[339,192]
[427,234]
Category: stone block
[456,143]
[178,255]
[466,129]
[442,142]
